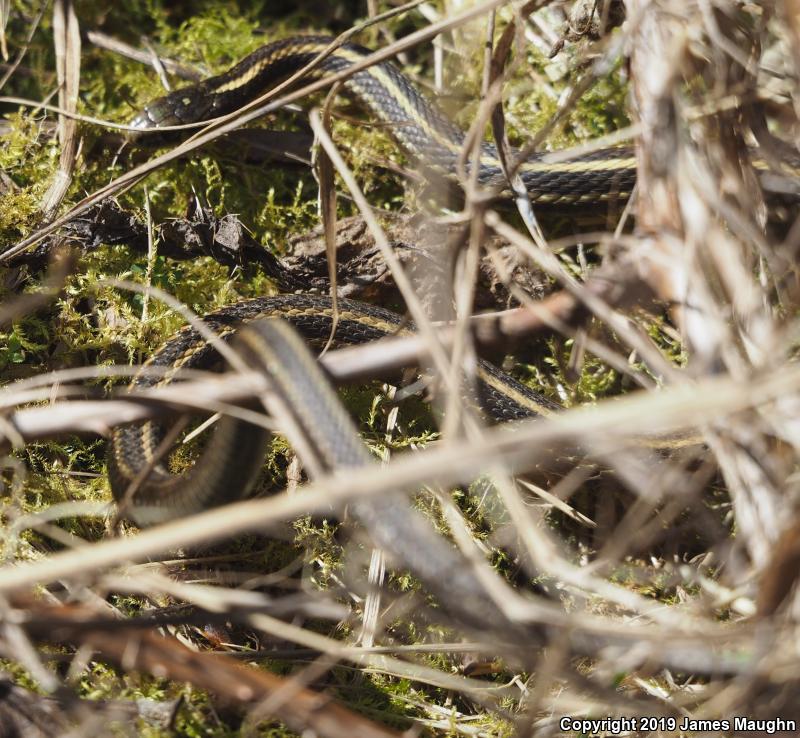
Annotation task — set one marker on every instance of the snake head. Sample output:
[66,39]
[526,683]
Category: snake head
[187,105]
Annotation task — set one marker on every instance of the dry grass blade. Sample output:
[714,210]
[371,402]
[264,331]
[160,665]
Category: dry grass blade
[632,554]
[67,38]
[626,419]
[5,9]
[327,206]
[104,41]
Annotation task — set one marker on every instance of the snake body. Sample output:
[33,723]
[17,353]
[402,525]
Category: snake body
[419,126]
[230,464]
[267,332]
[228,468]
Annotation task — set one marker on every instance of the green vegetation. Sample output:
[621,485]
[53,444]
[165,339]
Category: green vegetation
[95,324]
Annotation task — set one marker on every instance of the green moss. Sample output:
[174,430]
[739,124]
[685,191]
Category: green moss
[96,324]
[531,99]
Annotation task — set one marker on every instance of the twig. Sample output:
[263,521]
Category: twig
[163,656]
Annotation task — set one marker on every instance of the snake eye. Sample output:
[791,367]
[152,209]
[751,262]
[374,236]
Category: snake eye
[188,106]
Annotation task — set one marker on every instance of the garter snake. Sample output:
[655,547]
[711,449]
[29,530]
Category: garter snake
[232,460]
[418,125]
[425,133]
[228,467]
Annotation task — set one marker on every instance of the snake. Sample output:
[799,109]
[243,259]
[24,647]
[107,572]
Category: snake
[231,463]
[266,330]
[420,127]
[321,430]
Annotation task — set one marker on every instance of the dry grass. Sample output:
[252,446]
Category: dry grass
[640,552]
